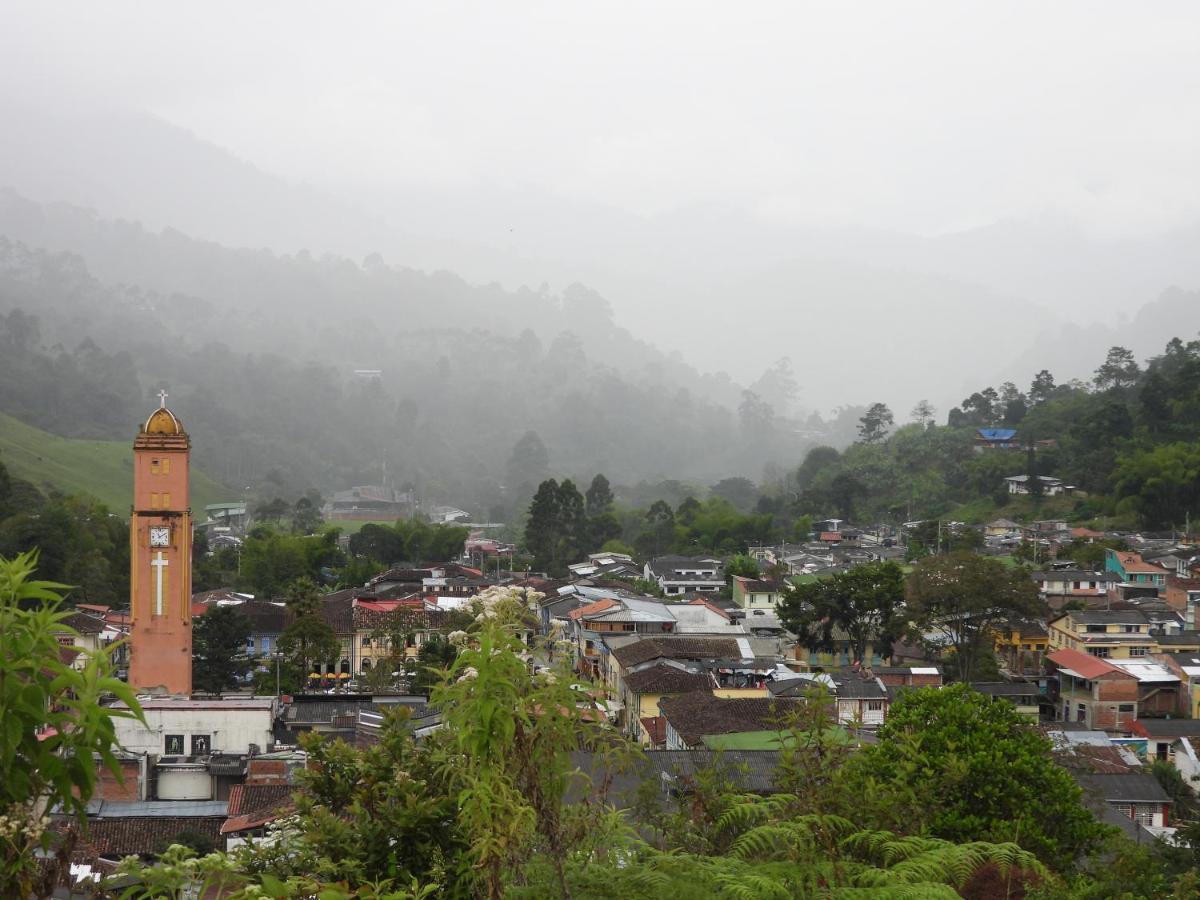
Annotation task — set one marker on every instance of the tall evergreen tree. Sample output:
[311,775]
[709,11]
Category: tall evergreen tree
[219,657]
[599,497]
[542,527]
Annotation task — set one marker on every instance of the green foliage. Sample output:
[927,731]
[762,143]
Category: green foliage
[308,640]
[981,773]
[219,659]
[866,603]
[271,561]
[1161,483]
[875,423]
[79,543]
[52,722]
[961,597]
[743,565]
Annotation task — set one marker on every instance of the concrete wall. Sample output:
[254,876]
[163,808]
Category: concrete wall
[230,730]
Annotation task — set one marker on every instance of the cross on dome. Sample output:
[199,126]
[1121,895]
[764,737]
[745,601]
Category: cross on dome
[162,399]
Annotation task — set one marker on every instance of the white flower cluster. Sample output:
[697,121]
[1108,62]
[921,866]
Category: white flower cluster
[19,821]
[458,638]
[488,602]
[469,673]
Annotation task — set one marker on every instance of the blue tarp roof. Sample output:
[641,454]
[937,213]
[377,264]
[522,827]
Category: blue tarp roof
[997,434]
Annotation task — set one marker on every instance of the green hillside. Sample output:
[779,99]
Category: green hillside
[103,469]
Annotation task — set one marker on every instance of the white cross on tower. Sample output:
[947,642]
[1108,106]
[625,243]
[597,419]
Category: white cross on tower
[162,399]
[159,563]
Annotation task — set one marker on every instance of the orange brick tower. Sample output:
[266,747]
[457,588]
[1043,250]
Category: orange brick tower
[160,580]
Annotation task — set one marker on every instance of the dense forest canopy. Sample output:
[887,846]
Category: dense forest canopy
[259,354]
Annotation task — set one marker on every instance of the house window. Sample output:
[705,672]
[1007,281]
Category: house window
[1096,629]
[266,646]
[1125,707]
[1139,651]
[154,467]
[173,745]
[1133,629]
[874,705]
[366,643]
[1081,713]
[201,745]
[366,665]
[165,500]
[1101,652]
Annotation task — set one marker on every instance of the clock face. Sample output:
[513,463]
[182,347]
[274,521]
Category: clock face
[160,536]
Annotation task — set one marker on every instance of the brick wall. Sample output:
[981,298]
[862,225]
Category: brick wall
[108,787]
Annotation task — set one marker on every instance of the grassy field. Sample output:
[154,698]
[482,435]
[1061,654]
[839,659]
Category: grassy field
[103,469]
[1018,508]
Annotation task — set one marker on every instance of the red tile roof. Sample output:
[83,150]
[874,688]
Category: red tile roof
[1085,664]
[254,805]
[592,608]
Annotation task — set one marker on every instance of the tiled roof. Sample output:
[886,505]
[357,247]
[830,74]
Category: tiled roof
[83,623]
[265,616]
[136,835]
[699,713]
[663,679]
[1086,665]
[592,609]
[1168,727]
[1107,617]
[338,611]
[656,729]
[402,618]
[1125,788]
[858,688]
[254,805]
[676,648]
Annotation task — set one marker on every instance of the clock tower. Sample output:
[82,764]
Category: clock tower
[160,578]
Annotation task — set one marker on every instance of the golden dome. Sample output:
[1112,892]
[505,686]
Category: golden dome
[162,421]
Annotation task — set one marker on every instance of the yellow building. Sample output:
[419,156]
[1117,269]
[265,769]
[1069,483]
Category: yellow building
[376,628]
[1108,634]
[1021,646]
[642,691]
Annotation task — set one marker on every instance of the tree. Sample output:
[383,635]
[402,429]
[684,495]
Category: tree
[528,464]
[572,523]
[1119,370]
[740,492]
[981,772]
[54,725]
[866,603]
[542,526]
[306,516]
[599,497]
[843,490]
[661,518]
[875,423]
[962,597]
[1162,484]
[219,659]
[1013,404]
[1042,388]
[308,640]
[923,413]
[757,417]
[743,565]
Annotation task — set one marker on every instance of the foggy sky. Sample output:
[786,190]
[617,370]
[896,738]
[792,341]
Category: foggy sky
[923,117]
[671,154]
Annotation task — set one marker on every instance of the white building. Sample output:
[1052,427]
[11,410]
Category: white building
[179,727]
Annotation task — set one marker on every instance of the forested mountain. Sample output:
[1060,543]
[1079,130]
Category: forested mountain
[258,353]
[846,304]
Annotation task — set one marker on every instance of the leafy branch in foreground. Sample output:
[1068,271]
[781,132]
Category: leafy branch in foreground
[52,726]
